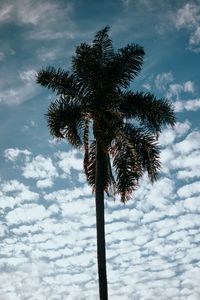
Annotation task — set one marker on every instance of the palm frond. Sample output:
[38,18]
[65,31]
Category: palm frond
[90,168]
[150,111]
[85,67]
[126,64]
[145,147]
[126,167]
[102,46]
[66,121]
[90,164]
[58,81]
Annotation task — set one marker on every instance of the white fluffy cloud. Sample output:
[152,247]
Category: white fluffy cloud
[27,214]
[63,196]
[162,80]
[191,143]
[165,82]
[44,183]
[189,189]
[189,17]
[69,160]
[189,105]
[169,135]
[175,89]
[195,38]
[14,192]
[40,168]
[28,76]
[182,156]
[13,153]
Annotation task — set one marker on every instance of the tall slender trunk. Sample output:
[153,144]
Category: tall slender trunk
[100,223]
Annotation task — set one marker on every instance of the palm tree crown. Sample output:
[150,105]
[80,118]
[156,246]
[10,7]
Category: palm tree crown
[95,97]
[117,127]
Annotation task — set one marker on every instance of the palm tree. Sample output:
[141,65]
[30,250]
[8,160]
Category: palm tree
[116,127]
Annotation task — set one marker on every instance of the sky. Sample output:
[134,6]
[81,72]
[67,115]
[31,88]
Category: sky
[47,210]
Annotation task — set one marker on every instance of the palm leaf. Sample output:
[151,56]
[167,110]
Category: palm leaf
[58,81]
[126,167]
[85,67]
[90,164]
[125,65]
[66,121]
[145,147]
[90,168]
[151,112]
[102,46]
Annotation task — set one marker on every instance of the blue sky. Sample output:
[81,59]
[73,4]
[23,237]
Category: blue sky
[47,218]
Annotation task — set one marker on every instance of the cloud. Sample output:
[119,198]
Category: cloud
[147,86]
[189,190]
[3,230]
[27,214]
[23,88]
[5,12]
[48,54]
[189,105]
[62,196]
[2,56]
[188,87]
[175,89]
[41,184]
[44,169]
[43,16]
[189,172]
[165,82]
[39,168]
[28,76]
[195,37]
[191,143]
[14,193]
[185,163]
[163,79]
[168,135]
[180,153]
[16,96]
[13,153]
[189,17]
[182,128]
[36,13]
[69,160]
